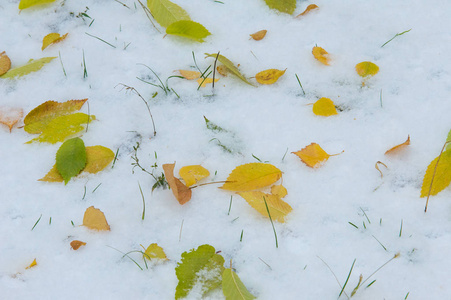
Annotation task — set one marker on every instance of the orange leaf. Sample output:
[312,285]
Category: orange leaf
[321,55]
[259,35]
[181,192]
[5,63]
[313,155]
[190,75]
[397,149]
[10,116]
[308,9]
[324,107]
[94,218]
[76,244]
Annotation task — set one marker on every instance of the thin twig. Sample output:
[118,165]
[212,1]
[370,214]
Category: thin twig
[148,14]
[336,278]
[214,70]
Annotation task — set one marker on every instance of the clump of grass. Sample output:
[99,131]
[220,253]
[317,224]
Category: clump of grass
[164,86]
[160,180]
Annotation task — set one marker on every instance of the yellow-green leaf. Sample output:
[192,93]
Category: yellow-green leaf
[285,6]
[324,107]
[31,66]
[269,76]
[52,38]
[366,68]
[251,177]
[188,29]
[165,12]
[442,177]
[230,66]
[321,55]
[154,252]
[277,207]
[28,3]
[192,174]
[233,288]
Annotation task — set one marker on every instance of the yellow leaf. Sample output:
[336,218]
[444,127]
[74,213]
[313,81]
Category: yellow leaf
[397,149]
[277,207]
[52,38]
[279,191]
[252,176]
[154,252]
[94,218]
[76,244]
[33,264]
[181,192]
[324,107]
[10,116]
[439,174]
[366,68]
[308,9]
[269,76]
[190,75]
[321,55]
[192,174]
[206,81]
[313,155]
[28,3]
[5,63]
[259,35]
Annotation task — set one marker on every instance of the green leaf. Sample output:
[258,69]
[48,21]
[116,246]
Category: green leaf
[31,66]
[28,3]
[202,266]
[71,158]
[188,29]
[230,66]
[165,12]
[59,128]
[448,140]
[285,6]
[233,288]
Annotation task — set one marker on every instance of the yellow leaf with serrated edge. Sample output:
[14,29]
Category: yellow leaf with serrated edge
[203,82]
[154,252]
[40,116]
[279,190]
[181,192]
[321,55]
[95,219]
[269,76]
[397,149]
[366,68]
[31,66]
[52,38]
[28,3]
[190,75]
[5,63]
[278,208]
[324,107]
[312,155]
[259,35]
[10,116]
[308,9]
[439,174]
[192,174]
[252,176]
[33,264]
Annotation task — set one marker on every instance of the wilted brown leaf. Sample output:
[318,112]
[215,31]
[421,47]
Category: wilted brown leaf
[181,192]
[5,63]
[76,244]
[308,9]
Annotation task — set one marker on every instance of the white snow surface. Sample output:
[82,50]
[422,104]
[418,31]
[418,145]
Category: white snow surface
[268,121]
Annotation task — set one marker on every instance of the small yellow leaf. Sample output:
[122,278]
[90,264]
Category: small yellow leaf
[437,175]
[204,83]
[259,35]
[313,155]
[252,176]
[52,38]
[192,174]
[154,252]
[397,149]
[5,63]
[33,264]
[76,244]
[324,107]
[222,70]
[321,55]
[190,75]
[366,68]
[277,207]
[95,219]
[181,192]
[269,76]
[10,116]
[279,191]
[308,9]
[28,3]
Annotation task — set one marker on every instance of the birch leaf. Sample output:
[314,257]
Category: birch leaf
[230,66]
[31,66]
[277,207]
[397,149]
[308,9]
[285,6]
[252,176]
[71,158]
[5,63]
[279,191]
[321,55]
[233,288]
[181,192]
[442,177]
[192,174]
[366,68]
[52,38]
[190,75]
[95,219]
[259,35]
[188,29]
[269,76]
[165,12]
[312,155]
[154,252]
[75,244]
[28,3]
[10,116]
[324,107]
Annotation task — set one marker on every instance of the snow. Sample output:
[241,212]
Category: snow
[414,80]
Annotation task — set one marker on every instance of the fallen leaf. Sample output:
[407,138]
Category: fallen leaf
[95,219]
[269,76]
[230,66]
[154,252]
[321,55]
[10,116]
[278,208]
[76,244]
[28,3]
[438,175]
[324,107]
[222,70]
[397,149]
[313,155]
[33,264]
[192,174]
[259,35]
[233,288]
[190,75]
[31,66]
[181,192]
[308,9]
[188,29]
[366,68]
[285,6]
[165,12]
[279,191]
[52,38]
[377,167]
[71,158]
[252,176]
[5,63]
[203,82]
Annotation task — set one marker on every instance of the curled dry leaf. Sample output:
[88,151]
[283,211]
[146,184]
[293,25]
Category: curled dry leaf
[95,219]
[259,35]
[203,82]
[192,174]
[10,116]
[5,63]
[397,149]
[52,38]
[181,192]
[269,76]
[190,75]
[377,167]
[321,55]
[76,244]
[324,107]
[313,155]
[308,9]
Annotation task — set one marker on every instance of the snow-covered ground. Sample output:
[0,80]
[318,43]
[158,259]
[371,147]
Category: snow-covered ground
[409,96]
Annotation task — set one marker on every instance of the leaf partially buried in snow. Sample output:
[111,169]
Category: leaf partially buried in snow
[279,191]
[230,66]
[324,107]
[204,81]
[188,29]
[269,76]
[366,68]
[277,207]
[75,244]
[192,174]
[71,158]
[5,63]
[313,155]
[95,219]
[321,55]
[10,116]
[181,192]
[233,288]
[52,38]
[259,35]
[397,149]
[29,3]
[308,9]
[251,177]
[31,66]
[165,12]
[190,75]
[222,70]
[285,6]
[154,252]
[438,175]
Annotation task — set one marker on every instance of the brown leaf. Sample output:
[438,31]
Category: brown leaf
[94,218]
[76,244]
[399,148]
[10,116]
[259,35]
[5,63]
[377,167]
[181,192]
[308,9]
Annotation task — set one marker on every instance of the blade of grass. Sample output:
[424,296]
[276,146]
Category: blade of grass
[36,222]
[347,279]
[144,202]
[396,35]
[273,228]
[100,39]
[336,278]
[300,84]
